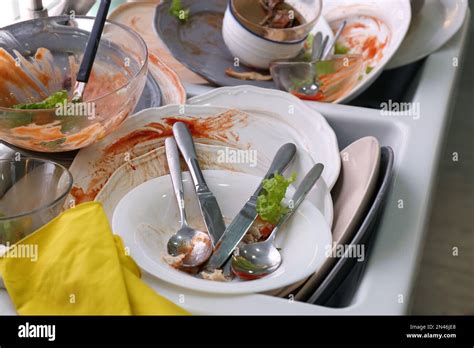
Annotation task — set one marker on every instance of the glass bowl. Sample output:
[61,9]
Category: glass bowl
[42,56]
[32,193]
[249,13]
[336,77]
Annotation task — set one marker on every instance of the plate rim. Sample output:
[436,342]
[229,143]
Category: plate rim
[399,60]
[369,183]
[379,201]
[205,99]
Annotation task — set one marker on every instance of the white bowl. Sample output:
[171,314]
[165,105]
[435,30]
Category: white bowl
[254,50]
[148,215]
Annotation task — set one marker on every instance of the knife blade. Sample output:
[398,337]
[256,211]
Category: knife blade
[207,202]
[247,215]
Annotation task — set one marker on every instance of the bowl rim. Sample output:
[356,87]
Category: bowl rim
[144,65]
[48,205]
[244,22]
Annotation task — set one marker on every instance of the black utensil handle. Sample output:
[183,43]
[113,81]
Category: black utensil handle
[93,42]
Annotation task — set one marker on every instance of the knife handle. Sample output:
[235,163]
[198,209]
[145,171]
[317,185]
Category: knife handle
[282,159]
[188,150]
[307,184]
[172,155]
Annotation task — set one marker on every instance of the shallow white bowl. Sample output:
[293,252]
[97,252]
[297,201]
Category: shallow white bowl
[148,215]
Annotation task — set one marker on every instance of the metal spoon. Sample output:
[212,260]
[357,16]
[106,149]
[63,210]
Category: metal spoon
[196,245]
[319,46]
[321,52]
[257,260]
[328,49]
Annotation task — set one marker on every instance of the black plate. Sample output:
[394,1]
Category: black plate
[340,284]
[198,43]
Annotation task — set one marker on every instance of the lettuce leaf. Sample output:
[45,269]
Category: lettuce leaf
[48,103]
[269,202]
[178,11]
[341,49]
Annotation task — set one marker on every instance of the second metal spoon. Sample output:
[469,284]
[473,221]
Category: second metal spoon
[321,51]
[257,260]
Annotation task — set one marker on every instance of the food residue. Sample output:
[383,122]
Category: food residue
[174,261]
[49,103]
[216,276]
[279,15]
[248,75]
[365,35]
[269,206]
[218,129]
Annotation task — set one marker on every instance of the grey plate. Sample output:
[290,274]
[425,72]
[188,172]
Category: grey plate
[198,43]
[338,286]
[151,96]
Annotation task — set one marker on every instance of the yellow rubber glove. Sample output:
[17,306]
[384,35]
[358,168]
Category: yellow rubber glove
[78,267]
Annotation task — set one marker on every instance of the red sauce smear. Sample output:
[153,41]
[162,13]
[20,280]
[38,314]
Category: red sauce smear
[317,97]
[219,128]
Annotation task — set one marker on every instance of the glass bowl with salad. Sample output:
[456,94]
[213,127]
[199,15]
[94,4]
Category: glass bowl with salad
[39,60]
[32,193]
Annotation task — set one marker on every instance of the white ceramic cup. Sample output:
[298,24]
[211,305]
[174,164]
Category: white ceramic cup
[253,50]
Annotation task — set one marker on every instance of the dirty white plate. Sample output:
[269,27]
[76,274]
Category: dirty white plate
[148,215]
[434,23]
[375,29]
[298,123]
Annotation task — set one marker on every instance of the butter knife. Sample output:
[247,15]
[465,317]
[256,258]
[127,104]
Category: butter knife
[247,215]
[207,202]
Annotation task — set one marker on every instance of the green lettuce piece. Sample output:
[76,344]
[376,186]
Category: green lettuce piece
[49,103]
[340,49]
[178,11]
[242,263]
[308,52]
[325,67]
[269,206]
